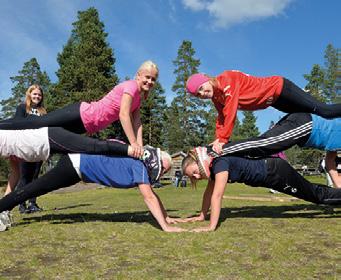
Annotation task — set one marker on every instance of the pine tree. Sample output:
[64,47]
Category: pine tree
[191,110]
[153,111]
[86,62]
[248,127]
[174,132]
[331,61]
[315,84]
[30,74]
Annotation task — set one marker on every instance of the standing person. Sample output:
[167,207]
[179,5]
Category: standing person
[273,173]
[29,171]
[121,103]
[118,172]
[234,90]
[302,129]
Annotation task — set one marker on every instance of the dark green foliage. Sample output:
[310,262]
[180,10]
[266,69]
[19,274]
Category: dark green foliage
[30,74]
[86,62]
[248,127]
[316,82]
[153,111]
[191,111]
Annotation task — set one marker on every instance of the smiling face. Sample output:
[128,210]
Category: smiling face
[205,91]
[36,96]
[192,171]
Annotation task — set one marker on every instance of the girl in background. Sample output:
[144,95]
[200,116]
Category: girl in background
[29,171]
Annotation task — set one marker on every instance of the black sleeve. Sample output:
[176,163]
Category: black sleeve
[21,111]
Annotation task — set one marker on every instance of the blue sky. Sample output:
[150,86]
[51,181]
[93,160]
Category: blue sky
[259,37]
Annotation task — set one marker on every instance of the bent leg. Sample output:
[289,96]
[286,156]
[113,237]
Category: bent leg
[63,175]
[294,99]
[64,141]
[284,178]
[292,129]
[67,117]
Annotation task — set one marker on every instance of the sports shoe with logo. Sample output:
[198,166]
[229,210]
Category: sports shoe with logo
[152,160]
[204,161]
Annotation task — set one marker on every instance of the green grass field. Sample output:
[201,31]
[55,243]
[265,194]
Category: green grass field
[109,234]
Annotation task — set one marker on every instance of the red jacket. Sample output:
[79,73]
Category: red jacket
[237,90]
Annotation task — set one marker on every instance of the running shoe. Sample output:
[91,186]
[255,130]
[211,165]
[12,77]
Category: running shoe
[33,207]
[5,220]
[204,161]
[152,160]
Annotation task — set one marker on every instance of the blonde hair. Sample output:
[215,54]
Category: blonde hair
[166,156]
[187,161]
[148,65]
[28,100]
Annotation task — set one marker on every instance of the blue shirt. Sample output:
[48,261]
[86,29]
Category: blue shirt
[119,172]
[325,134]
[241,170]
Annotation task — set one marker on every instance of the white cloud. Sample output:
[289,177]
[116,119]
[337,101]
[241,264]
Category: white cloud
[226,13]
[195,5]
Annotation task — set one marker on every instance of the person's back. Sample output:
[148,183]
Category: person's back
[120,172]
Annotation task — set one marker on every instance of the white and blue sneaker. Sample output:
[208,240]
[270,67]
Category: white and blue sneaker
[152,160]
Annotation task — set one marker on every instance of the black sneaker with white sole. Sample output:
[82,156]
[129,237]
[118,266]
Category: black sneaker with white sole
[152,160]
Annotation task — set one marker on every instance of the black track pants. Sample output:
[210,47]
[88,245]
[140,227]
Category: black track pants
[292,129]
[294,100]
[67,117]
[64,141]
[61,176]
[284,178]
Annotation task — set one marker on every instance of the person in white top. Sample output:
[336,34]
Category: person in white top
[32,145]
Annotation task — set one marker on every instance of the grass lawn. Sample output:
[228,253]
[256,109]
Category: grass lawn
[109,234]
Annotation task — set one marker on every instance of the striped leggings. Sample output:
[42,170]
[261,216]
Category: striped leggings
[292,129]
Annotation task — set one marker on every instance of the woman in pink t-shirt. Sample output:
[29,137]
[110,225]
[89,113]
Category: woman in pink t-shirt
[121,103]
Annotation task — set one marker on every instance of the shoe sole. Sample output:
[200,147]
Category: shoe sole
[158,153]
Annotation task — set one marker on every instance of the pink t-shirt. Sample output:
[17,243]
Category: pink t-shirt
[99,114]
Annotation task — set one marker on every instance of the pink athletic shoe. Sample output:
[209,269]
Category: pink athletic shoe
[204,161]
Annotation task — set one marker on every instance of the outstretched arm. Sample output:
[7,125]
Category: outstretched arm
[332,168]
[156,208]
[216,198]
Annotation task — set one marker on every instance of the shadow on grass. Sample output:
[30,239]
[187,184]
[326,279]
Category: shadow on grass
[135,217]
[283,211]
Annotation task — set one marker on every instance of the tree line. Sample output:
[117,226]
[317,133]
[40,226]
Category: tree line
[87,72]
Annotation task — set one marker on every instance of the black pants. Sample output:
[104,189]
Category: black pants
[63,141]
[294,99]
[67,117]
[29,171]
[284,178]
[61,176]
[292,129]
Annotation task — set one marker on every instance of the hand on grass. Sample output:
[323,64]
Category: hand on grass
[202,229]
[174,229]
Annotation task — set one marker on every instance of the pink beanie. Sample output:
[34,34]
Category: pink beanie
[195,81]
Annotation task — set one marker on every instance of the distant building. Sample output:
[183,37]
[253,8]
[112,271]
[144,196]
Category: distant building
[177,159]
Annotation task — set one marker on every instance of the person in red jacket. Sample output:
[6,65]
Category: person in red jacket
[233,90]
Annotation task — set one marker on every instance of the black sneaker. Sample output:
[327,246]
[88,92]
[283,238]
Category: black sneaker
[152,160]
[33,207]
[22,208]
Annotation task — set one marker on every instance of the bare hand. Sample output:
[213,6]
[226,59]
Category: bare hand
[202,229]
[199,218]
[137,150]
[217,146]
[174,229]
